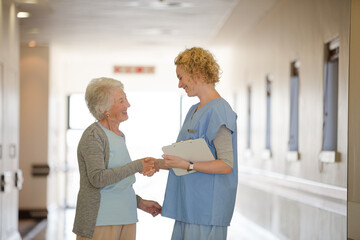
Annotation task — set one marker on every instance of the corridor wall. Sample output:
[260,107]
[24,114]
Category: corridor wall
[34,111]
[11,176]
[305,198]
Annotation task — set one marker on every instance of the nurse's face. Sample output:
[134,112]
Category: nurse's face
[118,110]
[186,82]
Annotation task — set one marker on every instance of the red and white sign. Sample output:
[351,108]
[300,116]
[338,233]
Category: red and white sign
[134,69]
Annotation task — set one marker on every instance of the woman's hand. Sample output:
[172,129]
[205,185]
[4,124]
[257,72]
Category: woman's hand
[175,162]
[148,166]
[151,207]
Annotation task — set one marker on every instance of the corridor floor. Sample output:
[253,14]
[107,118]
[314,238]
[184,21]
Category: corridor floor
[58,226]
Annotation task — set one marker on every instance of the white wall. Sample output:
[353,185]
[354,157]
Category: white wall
[34,125]
[74,67]
[269,189]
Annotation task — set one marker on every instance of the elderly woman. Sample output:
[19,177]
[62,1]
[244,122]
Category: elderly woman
[106,204]
[202,202]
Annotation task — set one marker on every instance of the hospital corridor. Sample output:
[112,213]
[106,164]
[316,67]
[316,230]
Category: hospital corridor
[289,76]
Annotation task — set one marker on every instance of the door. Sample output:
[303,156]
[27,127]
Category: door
[11,177]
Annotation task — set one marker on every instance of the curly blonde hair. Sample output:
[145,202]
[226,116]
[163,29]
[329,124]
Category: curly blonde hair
[198,61]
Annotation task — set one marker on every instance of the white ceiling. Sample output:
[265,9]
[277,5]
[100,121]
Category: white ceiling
[137,22]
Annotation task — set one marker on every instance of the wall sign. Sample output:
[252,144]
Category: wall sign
[134,69]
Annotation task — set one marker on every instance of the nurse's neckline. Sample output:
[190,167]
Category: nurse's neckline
[202,105]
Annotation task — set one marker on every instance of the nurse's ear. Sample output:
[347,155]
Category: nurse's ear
[198,78]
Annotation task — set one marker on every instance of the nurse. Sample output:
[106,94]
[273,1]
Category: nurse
[202,202]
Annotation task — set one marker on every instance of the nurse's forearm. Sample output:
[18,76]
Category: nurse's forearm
[213,167]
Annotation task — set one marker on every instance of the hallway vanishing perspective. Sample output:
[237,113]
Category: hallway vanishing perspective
[59,225]
[290,71]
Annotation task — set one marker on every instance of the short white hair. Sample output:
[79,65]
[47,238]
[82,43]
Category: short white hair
[99,95]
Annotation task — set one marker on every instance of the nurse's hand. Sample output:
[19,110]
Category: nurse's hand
[148,166]
[175,162]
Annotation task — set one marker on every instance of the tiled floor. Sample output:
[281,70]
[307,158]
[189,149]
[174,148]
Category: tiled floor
[59,225]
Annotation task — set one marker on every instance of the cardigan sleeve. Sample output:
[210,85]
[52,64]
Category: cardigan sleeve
[138,199]
[92,151]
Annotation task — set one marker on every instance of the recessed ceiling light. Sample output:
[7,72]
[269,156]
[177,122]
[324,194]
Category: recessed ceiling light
[152,31]
[28,1]
[23,15]
[159,4]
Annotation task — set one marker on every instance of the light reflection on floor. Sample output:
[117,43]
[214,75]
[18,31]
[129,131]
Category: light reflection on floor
[59,227]
[60,221]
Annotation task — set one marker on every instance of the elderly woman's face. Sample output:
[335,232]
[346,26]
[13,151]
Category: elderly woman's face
[118,110]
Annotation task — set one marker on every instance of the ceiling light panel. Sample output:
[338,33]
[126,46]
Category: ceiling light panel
[23,15]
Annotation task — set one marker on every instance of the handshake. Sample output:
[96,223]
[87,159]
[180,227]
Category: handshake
[150,166]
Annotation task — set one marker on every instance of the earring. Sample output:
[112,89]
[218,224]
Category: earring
[108,115]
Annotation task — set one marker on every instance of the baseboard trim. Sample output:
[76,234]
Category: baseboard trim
[33,213]
[353,220]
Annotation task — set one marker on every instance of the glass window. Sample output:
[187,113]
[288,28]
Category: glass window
[331,82]
[294,106]
[79,116]
[248,137]
[268,113]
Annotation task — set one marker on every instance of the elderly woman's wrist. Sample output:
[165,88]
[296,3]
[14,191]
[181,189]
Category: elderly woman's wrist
[138,166]
[138,200]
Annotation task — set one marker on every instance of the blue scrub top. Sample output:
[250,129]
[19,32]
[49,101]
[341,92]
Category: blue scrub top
[201,198]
